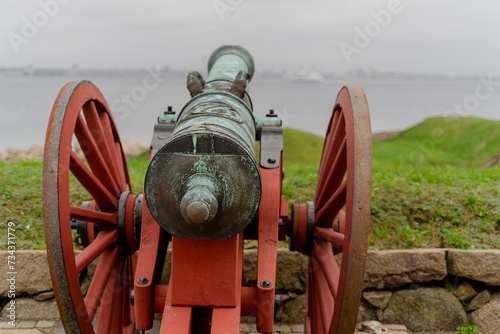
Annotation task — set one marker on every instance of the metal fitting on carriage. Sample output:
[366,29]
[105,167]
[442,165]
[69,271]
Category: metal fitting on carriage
[142,281]
[266,284]
[271,113]
[169,111]
[132,298]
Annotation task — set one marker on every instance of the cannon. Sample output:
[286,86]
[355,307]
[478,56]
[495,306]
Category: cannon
[204,193]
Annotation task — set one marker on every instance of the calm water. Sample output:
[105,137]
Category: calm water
[25,104]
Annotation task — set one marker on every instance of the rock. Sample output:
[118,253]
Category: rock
[465,291]
[25,324]
[291,270]
[476,265]
[85,285]
[282,298]
[45,324]
[16,151]
[379,299]
[425,309]
[13,154]
[44,296]
[487,318]
[480,300]
[366,312]
[30,309]
[394,328]
[32,276]
[298,328]
[35,153]
[132,149]
[395,268]
[165,275]
[372,326]
[282,328]
[92,267]
[292,311]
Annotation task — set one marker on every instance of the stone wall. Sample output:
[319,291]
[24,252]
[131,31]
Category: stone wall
[424,289]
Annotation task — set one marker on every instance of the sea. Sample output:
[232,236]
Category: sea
[395,104]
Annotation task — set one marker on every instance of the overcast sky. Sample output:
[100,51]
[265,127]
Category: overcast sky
[420,36]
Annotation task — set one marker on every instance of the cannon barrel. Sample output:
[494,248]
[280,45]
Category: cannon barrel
[204,182]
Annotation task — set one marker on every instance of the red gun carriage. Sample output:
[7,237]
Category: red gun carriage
[204,193]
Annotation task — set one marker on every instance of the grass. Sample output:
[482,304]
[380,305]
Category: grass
[468,329]
[442,141]
[21,203]
[439,198]
[428,190]
[432,206]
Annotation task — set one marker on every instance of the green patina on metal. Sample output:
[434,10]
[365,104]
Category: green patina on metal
[204,183]
[265,121]
[167,119]
[228,51]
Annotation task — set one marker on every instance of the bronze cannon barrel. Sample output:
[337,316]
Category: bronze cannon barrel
[204,182]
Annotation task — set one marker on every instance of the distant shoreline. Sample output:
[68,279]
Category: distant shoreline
[357,74]
[13,154]
[131,149]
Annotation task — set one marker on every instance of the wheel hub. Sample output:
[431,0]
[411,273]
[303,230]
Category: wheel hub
[301,229]
[129,223]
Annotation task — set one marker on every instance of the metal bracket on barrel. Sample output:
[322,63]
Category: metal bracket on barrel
[162,132]
[271,146]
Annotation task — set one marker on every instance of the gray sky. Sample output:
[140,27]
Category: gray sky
[420,36]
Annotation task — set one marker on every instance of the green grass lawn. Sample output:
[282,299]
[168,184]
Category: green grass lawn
[427,188]
[440,141]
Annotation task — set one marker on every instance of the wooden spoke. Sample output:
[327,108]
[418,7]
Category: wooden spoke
[327,234]
[316,315]
[335,138]
[121,158]
[107,316]
[328,265]
[105,200]
[332,142]
[331,208]
[107,261]
[114,150]
[325,302]
[328,143]
[105,146]
[335,175]
[118,291]
[103,240]
[96,217]
[126,282]
[94,156]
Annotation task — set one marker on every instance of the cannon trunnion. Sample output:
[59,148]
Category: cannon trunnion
[204,192]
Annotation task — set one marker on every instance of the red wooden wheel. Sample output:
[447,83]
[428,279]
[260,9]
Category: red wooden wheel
[334,228]
[81,114]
